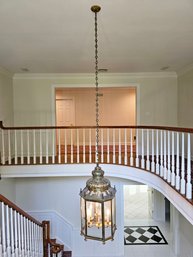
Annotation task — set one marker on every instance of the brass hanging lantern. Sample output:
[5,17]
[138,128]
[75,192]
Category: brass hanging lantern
[97,199]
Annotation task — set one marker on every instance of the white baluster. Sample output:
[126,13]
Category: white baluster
[188,184]
[15,140]
[131,147]
[40,241]
[25,235]
[177,163]
[161,155]
[119,146]
[126,157]
[3,230]
[102,149]
[90,147]
[16,234]
[152,152]
[47,157]
[21,142]
[34,146]
[28,151]
[137,149]
[8,231]
[78,153]
[173,176]
[59,147]
[2,147]
[19,233]
[169,167]
[35,240]
[22,236]
[40,146]
[183,182]
[28,237]
[147,161]
[114,156]
[142,150]
[65,146]
[12,234]
[84,143]
[31,239]
[108,152]
[71,145]
[1,247]
[157,153]
[9,147]
[165,159]
[53,145]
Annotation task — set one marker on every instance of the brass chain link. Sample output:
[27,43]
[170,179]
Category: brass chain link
[97,90]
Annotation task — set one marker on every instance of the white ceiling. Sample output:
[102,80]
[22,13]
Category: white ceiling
[58,35]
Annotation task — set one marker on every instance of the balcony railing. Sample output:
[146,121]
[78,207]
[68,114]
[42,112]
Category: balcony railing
[164,151]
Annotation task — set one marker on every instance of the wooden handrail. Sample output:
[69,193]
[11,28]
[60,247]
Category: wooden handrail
[176,129]
[19,210]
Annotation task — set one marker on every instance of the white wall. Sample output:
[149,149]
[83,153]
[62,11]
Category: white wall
[44,196]
[6,98]
[185,99]
[34,97]
[7,188]
[117,105]
[158,206]
[182,233]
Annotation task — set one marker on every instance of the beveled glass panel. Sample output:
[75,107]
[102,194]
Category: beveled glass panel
[82,210]
[94,219]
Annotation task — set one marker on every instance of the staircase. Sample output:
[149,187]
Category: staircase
[22,235]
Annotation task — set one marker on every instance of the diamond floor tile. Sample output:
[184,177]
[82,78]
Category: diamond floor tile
[143,235]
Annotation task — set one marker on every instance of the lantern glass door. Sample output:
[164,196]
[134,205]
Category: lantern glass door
[108,222]
[83,219]
[94,219]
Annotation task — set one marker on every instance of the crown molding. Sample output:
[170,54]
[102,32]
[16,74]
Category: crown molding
[6,72]
[185,69]
[90,75]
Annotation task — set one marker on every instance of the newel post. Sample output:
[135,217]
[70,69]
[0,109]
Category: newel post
[46,236]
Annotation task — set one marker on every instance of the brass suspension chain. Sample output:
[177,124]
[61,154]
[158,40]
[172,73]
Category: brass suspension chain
[97,90]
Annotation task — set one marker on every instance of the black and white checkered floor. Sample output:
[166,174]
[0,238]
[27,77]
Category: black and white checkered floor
[143,235]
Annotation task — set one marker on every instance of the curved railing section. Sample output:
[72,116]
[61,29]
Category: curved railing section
[164,151]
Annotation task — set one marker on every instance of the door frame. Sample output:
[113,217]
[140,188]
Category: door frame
[74,113]
[117,85]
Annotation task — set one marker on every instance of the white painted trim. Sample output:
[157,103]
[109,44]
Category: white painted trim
[90,75]
[89,85]
[57,222]
[117,171]
[66,234]
[73,107]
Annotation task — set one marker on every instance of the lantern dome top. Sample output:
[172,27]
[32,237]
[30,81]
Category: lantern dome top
[98,188]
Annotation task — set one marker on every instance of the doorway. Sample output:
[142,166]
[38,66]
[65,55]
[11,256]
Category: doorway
[137,203]
[76,106]
[65,112]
